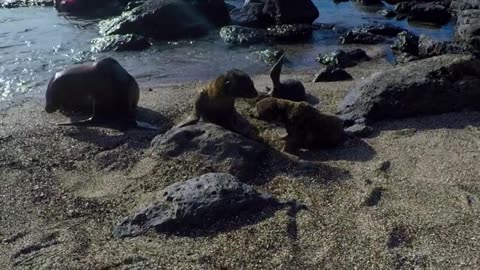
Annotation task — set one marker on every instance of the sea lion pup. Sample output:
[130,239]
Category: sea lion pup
[288,89]
[216,101]
[103,89]
[306,126]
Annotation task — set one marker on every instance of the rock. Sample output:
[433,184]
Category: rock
[251,15]
[240,35]
[407,43]
[291,12]
[429,12]
[459,5]
[269,56]
[290,32]
[468,28]
[369,2]
[387,13]
[169,19]
[404,7]
[331,74]
[133,4]
[342,59]
[195,203]
[428,47]
[119,43]
[370,34]
[26,3]
[432,86]
[359,130]
[218,148]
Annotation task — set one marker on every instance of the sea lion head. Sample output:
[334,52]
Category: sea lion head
[239,84]
[267,109]
[52,96]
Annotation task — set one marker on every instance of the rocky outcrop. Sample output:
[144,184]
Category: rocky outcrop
[213,146]
[119,43]
[240,35]
[436,85]
[430,12]
[91,7]
[194,203]
[370,34]
[169,19]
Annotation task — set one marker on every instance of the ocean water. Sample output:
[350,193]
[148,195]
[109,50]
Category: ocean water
[36,42]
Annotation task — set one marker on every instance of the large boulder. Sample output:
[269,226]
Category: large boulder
[213,146]
[169,19]
[291,12]
[342,59]
[430,12]
[370,34]
[436,85]
[468,28]
[194,203]
[263,13]
[241,35]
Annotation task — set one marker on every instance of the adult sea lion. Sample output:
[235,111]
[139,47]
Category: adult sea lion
[306,126]
[288,89]
[103,89]
[216,101]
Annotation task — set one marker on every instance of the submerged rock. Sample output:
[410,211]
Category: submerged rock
[221,149]
[119,43]
[169,19]
[370,34]
[195,203]
[436,85]
[331,74]
[342,59]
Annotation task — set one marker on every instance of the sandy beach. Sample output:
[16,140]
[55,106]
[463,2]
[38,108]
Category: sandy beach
[407,197]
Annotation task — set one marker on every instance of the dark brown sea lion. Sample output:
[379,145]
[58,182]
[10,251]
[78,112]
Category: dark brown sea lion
[288,89]
[306,126]
[216,102]
[103,89]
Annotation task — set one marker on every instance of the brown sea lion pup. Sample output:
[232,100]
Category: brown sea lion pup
[103,89]
[288,89]
[307,128]
[216,101]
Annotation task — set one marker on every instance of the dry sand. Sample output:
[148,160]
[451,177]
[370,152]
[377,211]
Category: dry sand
[408,197]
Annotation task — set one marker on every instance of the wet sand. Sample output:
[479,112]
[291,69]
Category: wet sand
[407,197]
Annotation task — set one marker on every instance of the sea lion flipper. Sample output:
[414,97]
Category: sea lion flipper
[191,120]
[276,71]
[144,125]
[85,122]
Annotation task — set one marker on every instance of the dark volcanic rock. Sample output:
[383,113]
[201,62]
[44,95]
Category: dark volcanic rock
[213,145]
[407,43]
[194,203]
[269,56]
[432,86]
[468,28]
[169,19]
[291,12]
[251,15]
[240,35]
[290,32]
[429,12]
[458,5]
[370,34]
[118,43]
[369,2]
[332,74]
[25,3]
[342,59]
[91,7]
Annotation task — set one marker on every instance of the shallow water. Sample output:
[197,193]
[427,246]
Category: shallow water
[36,42]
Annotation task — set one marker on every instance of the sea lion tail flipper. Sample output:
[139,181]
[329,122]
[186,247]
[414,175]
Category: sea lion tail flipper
[276,71]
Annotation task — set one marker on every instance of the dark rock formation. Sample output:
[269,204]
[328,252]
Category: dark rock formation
[127,42]
[342,59]
[290,32]
[91,7]
[169,19]
[370,34]
[432,86]
[240,35]
[407,43]
[214,146]
[429,12]
[468,28]
[25,3]
[331,74]
[195,203]
[251,15]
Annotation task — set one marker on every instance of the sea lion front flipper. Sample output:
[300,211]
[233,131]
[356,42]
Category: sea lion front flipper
[276,71]
[144,125]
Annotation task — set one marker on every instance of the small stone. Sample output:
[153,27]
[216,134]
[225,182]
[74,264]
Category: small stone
[360,130]
[331,74]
